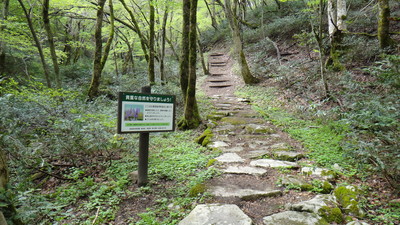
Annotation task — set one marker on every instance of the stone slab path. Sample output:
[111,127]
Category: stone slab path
[255,157]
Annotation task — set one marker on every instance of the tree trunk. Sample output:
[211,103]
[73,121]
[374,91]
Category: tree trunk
[97,68]
[47,27]
[151,44]
[203,62]
[191,118]
[38,45]
[3,17]
[184,60]
[248,78]
[383,24]
[213,20]
[163,40]
[143,40]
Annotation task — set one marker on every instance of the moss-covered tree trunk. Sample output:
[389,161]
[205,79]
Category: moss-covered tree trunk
[383,24]
[50,39]
[230,12]
[100,59]
[37,43]
[191,117]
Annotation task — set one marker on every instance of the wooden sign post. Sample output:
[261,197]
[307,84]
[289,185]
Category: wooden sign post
[144,113]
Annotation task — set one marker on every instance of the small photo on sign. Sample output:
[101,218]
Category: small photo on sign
[133,112]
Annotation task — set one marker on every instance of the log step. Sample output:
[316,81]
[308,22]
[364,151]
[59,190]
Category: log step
[216,54]
[220,86]
[218,81]
[217,74]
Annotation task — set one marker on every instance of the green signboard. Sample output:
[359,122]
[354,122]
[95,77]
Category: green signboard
[138,112]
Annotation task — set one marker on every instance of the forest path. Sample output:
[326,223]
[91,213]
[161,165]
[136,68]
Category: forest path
[257,160]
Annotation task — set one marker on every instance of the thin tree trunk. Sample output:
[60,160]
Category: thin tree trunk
[3,17]
[248,78]
[38,45]
[383,24]
[163,40]
[47,27]
[97,67]
[203,62]
[213,20]
[143,40]
[151,44]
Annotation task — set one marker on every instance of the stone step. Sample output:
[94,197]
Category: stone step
[217,74]
[274,164]
[216,54]
[217,65]
[207,214]
[246,194]
[245,170]
[220,85]
[218,81]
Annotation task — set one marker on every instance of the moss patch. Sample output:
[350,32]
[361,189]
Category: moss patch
[235,120]
[197,189]
[347,198]
[205,138]
[331,214]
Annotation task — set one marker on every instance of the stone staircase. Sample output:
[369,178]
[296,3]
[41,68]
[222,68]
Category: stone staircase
[255,157]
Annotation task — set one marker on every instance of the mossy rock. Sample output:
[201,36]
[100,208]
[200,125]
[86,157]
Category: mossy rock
[347,198]
[211,162]
[235,120]
[332,215]
[258,129]
[281,147]
[197,189]
[296,182]
[287,156]
[214,117]
[326,187]
[205,138]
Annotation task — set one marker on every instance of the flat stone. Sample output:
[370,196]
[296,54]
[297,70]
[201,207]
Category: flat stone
[247,194]
[216,214]
[297,181]
[257,153]
[293,218]
[258,129]
[273,163]
[280,147]
[318,172]
[245,170]
[315,204]
[218,144]
[230,158]
[289,156]
[225,129]
[233,149]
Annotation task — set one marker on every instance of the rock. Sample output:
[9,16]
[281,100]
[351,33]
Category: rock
[287,156]
[246,100]
[294,218]
[258,129]
[296,181]
[315,204]
[134,176]
[257,153]
[226,129]
[230,158]
[218,144]
[248,194]
[273,163]
[216,214]
[347,197]
[205,138]
[320,172]
[280,147]
[235,120]
[234,149]
[245,170]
